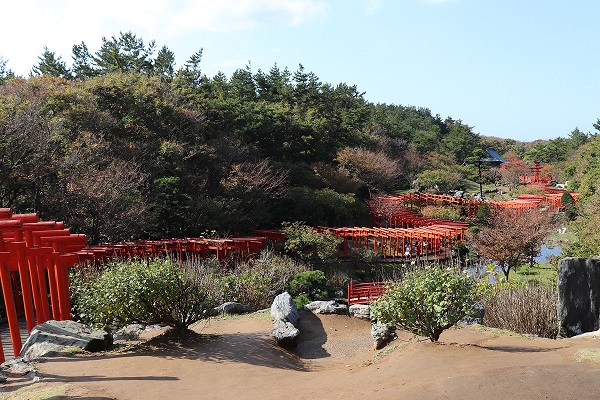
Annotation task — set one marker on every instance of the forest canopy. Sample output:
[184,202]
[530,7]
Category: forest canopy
[122,144]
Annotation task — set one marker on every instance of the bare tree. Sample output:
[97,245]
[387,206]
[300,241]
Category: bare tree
[105,201]
[411,162]
[373,168]
[384,208]
[258,176]
[512,171]
[251,187]
[513,237]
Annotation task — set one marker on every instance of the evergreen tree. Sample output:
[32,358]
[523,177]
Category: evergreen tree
[306,87]
[125,53]
[51,65]
[243,85]
[164,64]
[190,74]
[82,68]
[5,73]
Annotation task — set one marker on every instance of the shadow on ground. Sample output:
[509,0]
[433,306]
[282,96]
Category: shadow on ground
[312,337]
[516,349]
[257,349]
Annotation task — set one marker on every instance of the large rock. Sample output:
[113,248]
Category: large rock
[284,332]
[382,334]
[231,307]
[284,308]
[284,315]
[16,367]
[55,337]
[578,296]
[362,311]
[327,307]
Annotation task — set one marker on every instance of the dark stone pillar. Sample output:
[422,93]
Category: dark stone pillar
[578,296]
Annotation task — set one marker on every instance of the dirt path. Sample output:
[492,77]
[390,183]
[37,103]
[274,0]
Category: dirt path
[237,359]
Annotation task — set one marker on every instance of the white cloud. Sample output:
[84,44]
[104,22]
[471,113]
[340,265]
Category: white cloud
[232,15]
[371,6]
[29,25]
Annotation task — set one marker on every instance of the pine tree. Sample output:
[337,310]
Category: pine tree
[51,65]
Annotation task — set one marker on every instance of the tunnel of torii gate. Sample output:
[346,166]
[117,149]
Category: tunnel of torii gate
[431,241]
[400,232]
[400,210]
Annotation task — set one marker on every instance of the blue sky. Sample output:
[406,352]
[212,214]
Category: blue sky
[523,69]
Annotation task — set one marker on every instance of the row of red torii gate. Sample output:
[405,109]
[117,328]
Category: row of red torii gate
[35,255]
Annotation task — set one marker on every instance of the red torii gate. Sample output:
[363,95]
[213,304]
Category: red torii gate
[35,257]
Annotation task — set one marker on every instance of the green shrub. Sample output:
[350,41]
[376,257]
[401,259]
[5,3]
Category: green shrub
[324,207]
[483,214]
[567,201]
[246,287]
[445,212]
[301,300]
[427,301]
[366,256]
[308,286]
[142,291]
[256,282]
[304,243]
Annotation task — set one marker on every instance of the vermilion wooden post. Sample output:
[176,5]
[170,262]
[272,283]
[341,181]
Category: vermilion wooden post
[9,303]
[53,285]
[350,289]
[17,250]
[38,282]
[62,309]
[66,260]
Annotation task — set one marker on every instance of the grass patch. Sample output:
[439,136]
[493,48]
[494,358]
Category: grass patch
[38,391]
[385,352]
[505,332]
[589,355]
[73,350]
[261,314]
[470,186]
[544,273]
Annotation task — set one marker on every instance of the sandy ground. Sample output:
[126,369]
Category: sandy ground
[235,358]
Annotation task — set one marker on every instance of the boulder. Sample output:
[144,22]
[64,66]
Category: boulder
[578,296]
[133,332]
[56,337]
[382,333]
[18,368]
[231,307]
[129,332]
[327,307]
[284,308]
[284,331]
[475,316]
[284,315]
[362,311]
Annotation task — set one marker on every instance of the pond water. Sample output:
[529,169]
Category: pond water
[480,271]
[547,252]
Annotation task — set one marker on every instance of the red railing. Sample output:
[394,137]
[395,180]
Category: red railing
[364,293]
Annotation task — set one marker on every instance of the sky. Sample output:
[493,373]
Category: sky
[519,69]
